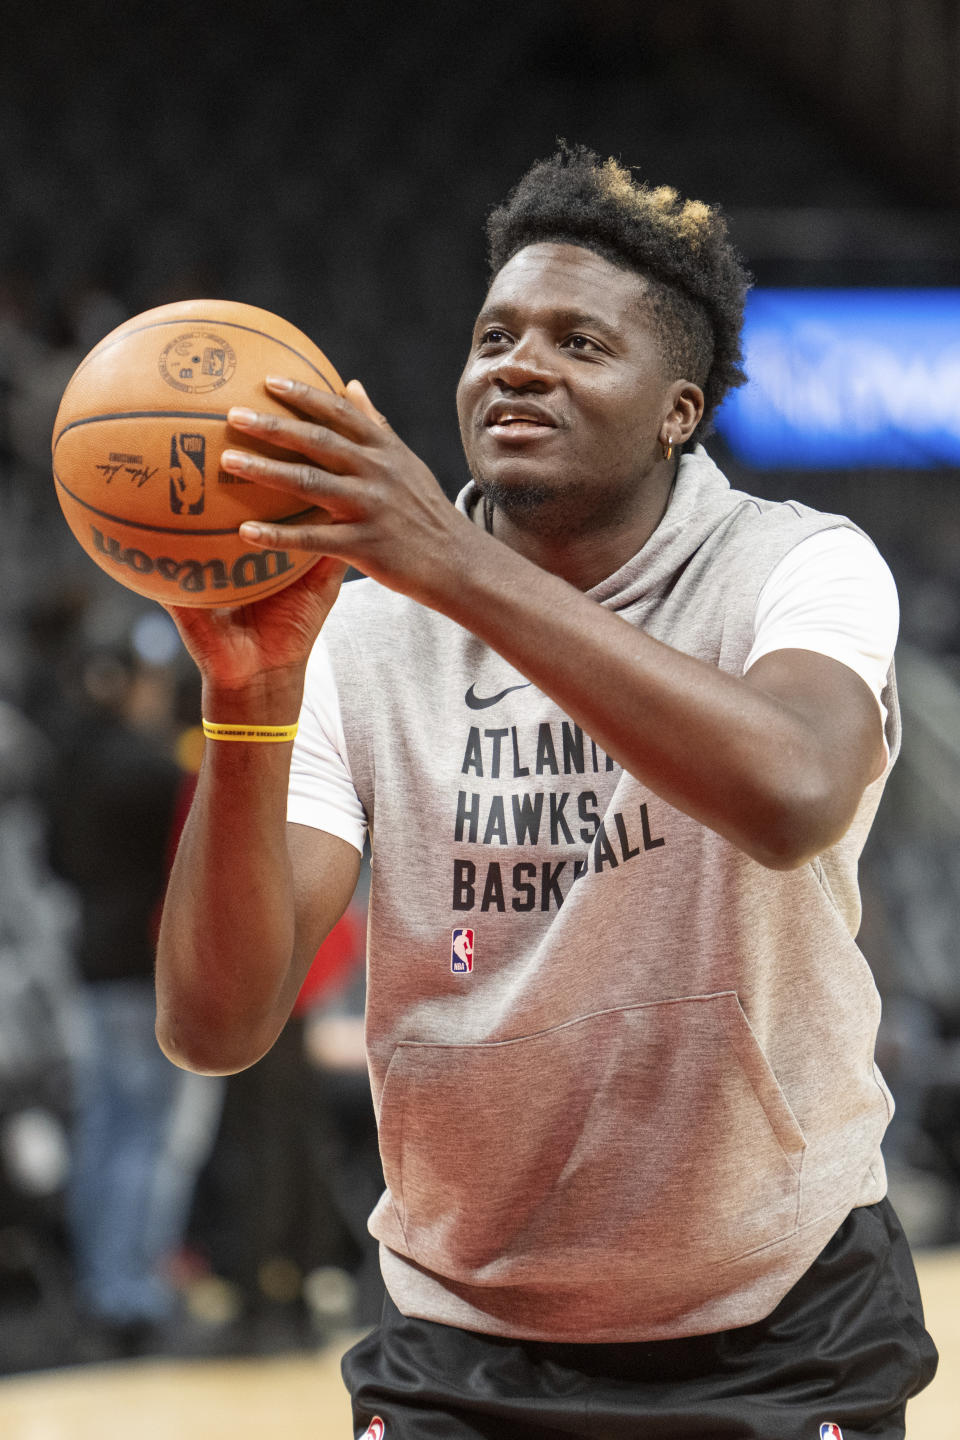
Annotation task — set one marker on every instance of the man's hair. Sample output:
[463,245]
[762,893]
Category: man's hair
[697,283]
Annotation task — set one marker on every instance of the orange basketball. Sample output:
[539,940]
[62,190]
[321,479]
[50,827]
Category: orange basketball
[137,445]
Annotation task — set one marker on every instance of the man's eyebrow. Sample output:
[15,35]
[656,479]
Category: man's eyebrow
[570,319]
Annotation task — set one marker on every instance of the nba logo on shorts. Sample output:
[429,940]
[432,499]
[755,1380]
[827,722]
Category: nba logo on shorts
[831,1432]
[375,1430]
[461,952]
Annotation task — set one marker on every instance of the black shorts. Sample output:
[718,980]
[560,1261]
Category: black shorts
[846,1347]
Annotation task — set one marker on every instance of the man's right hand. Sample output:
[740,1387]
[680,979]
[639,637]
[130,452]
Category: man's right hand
[260,645]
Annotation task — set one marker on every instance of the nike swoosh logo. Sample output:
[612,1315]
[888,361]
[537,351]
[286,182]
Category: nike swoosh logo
[481,702]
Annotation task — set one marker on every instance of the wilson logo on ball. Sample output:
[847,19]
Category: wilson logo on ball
[195,576]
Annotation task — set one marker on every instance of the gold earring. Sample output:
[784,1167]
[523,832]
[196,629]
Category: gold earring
[667,448]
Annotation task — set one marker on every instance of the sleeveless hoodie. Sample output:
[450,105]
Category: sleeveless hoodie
[647,1098]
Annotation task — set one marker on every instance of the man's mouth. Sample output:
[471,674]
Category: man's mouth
[512,419]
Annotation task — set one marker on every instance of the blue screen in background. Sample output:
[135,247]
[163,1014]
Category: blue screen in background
[842,378]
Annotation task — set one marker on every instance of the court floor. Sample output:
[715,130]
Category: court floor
[302,1398]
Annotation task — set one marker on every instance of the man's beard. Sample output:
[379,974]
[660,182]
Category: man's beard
[517,500]
[546,509]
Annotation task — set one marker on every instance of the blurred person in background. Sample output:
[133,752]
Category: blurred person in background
[38,1034]
[354,1174]
[142,1127]
[333,1000]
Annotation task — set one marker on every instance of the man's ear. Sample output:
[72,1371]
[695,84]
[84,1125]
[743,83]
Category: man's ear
[686,410]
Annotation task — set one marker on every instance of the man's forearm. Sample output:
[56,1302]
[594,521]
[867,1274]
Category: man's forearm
[227,933]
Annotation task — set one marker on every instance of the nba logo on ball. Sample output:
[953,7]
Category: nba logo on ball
[375,1430]
[831,1432]
[461,952]
[186,474]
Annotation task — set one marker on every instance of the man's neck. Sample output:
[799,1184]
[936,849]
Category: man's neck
[581,550]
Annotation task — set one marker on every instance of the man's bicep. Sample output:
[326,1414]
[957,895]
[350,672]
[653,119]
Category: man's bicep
[325,873]
[838,706]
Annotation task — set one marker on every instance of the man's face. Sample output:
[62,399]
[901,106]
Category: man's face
[564,391]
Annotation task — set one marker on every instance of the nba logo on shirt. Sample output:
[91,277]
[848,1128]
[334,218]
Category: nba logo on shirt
[831,1432]
[375,1430]
[461,952]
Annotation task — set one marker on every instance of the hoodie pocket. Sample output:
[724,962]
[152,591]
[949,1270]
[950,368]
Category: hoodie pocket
[643,1141]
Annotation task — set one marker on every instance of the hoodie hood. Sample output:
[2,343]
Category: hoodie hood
[701,499]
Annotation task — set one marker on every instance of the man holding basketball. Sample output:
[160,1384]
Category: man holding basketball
[627,728]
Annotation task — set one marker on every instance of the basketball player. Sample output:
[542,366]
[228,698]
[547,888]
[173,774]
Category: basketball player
[628,727]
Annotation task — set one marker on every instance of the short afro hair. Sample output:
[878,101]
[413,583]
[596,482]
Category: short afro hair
[697,281]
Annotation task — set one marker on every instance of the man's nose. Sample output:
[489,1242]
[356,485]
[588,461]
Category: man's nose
[528,364]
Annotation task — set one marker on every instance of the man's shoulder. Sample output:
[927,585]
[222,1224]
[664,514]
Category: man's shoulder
[367,601]
[745,536]
[370,616]
[708,505]
[359,593]
[752,519]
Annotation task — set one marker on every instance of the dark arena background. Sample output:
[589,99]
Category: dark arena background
[335,164]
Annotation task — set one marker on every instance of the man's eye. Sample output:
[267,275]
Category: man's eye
[493,335]
[581,342]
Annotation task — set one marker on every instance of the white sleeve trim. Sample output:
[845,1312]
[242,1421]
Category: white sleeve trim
[322,793]
[832,593]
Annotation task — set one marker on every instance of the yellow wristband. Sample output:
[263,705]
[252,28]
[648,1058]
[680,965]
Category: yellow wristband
[259,734]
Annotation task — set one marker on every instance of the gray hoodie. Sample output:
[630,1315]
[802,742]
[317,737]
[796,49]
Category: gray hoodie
[624,1075]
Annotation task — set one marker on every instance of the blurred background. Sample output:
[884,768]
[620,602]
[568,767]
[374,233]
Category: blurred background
[335,163]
